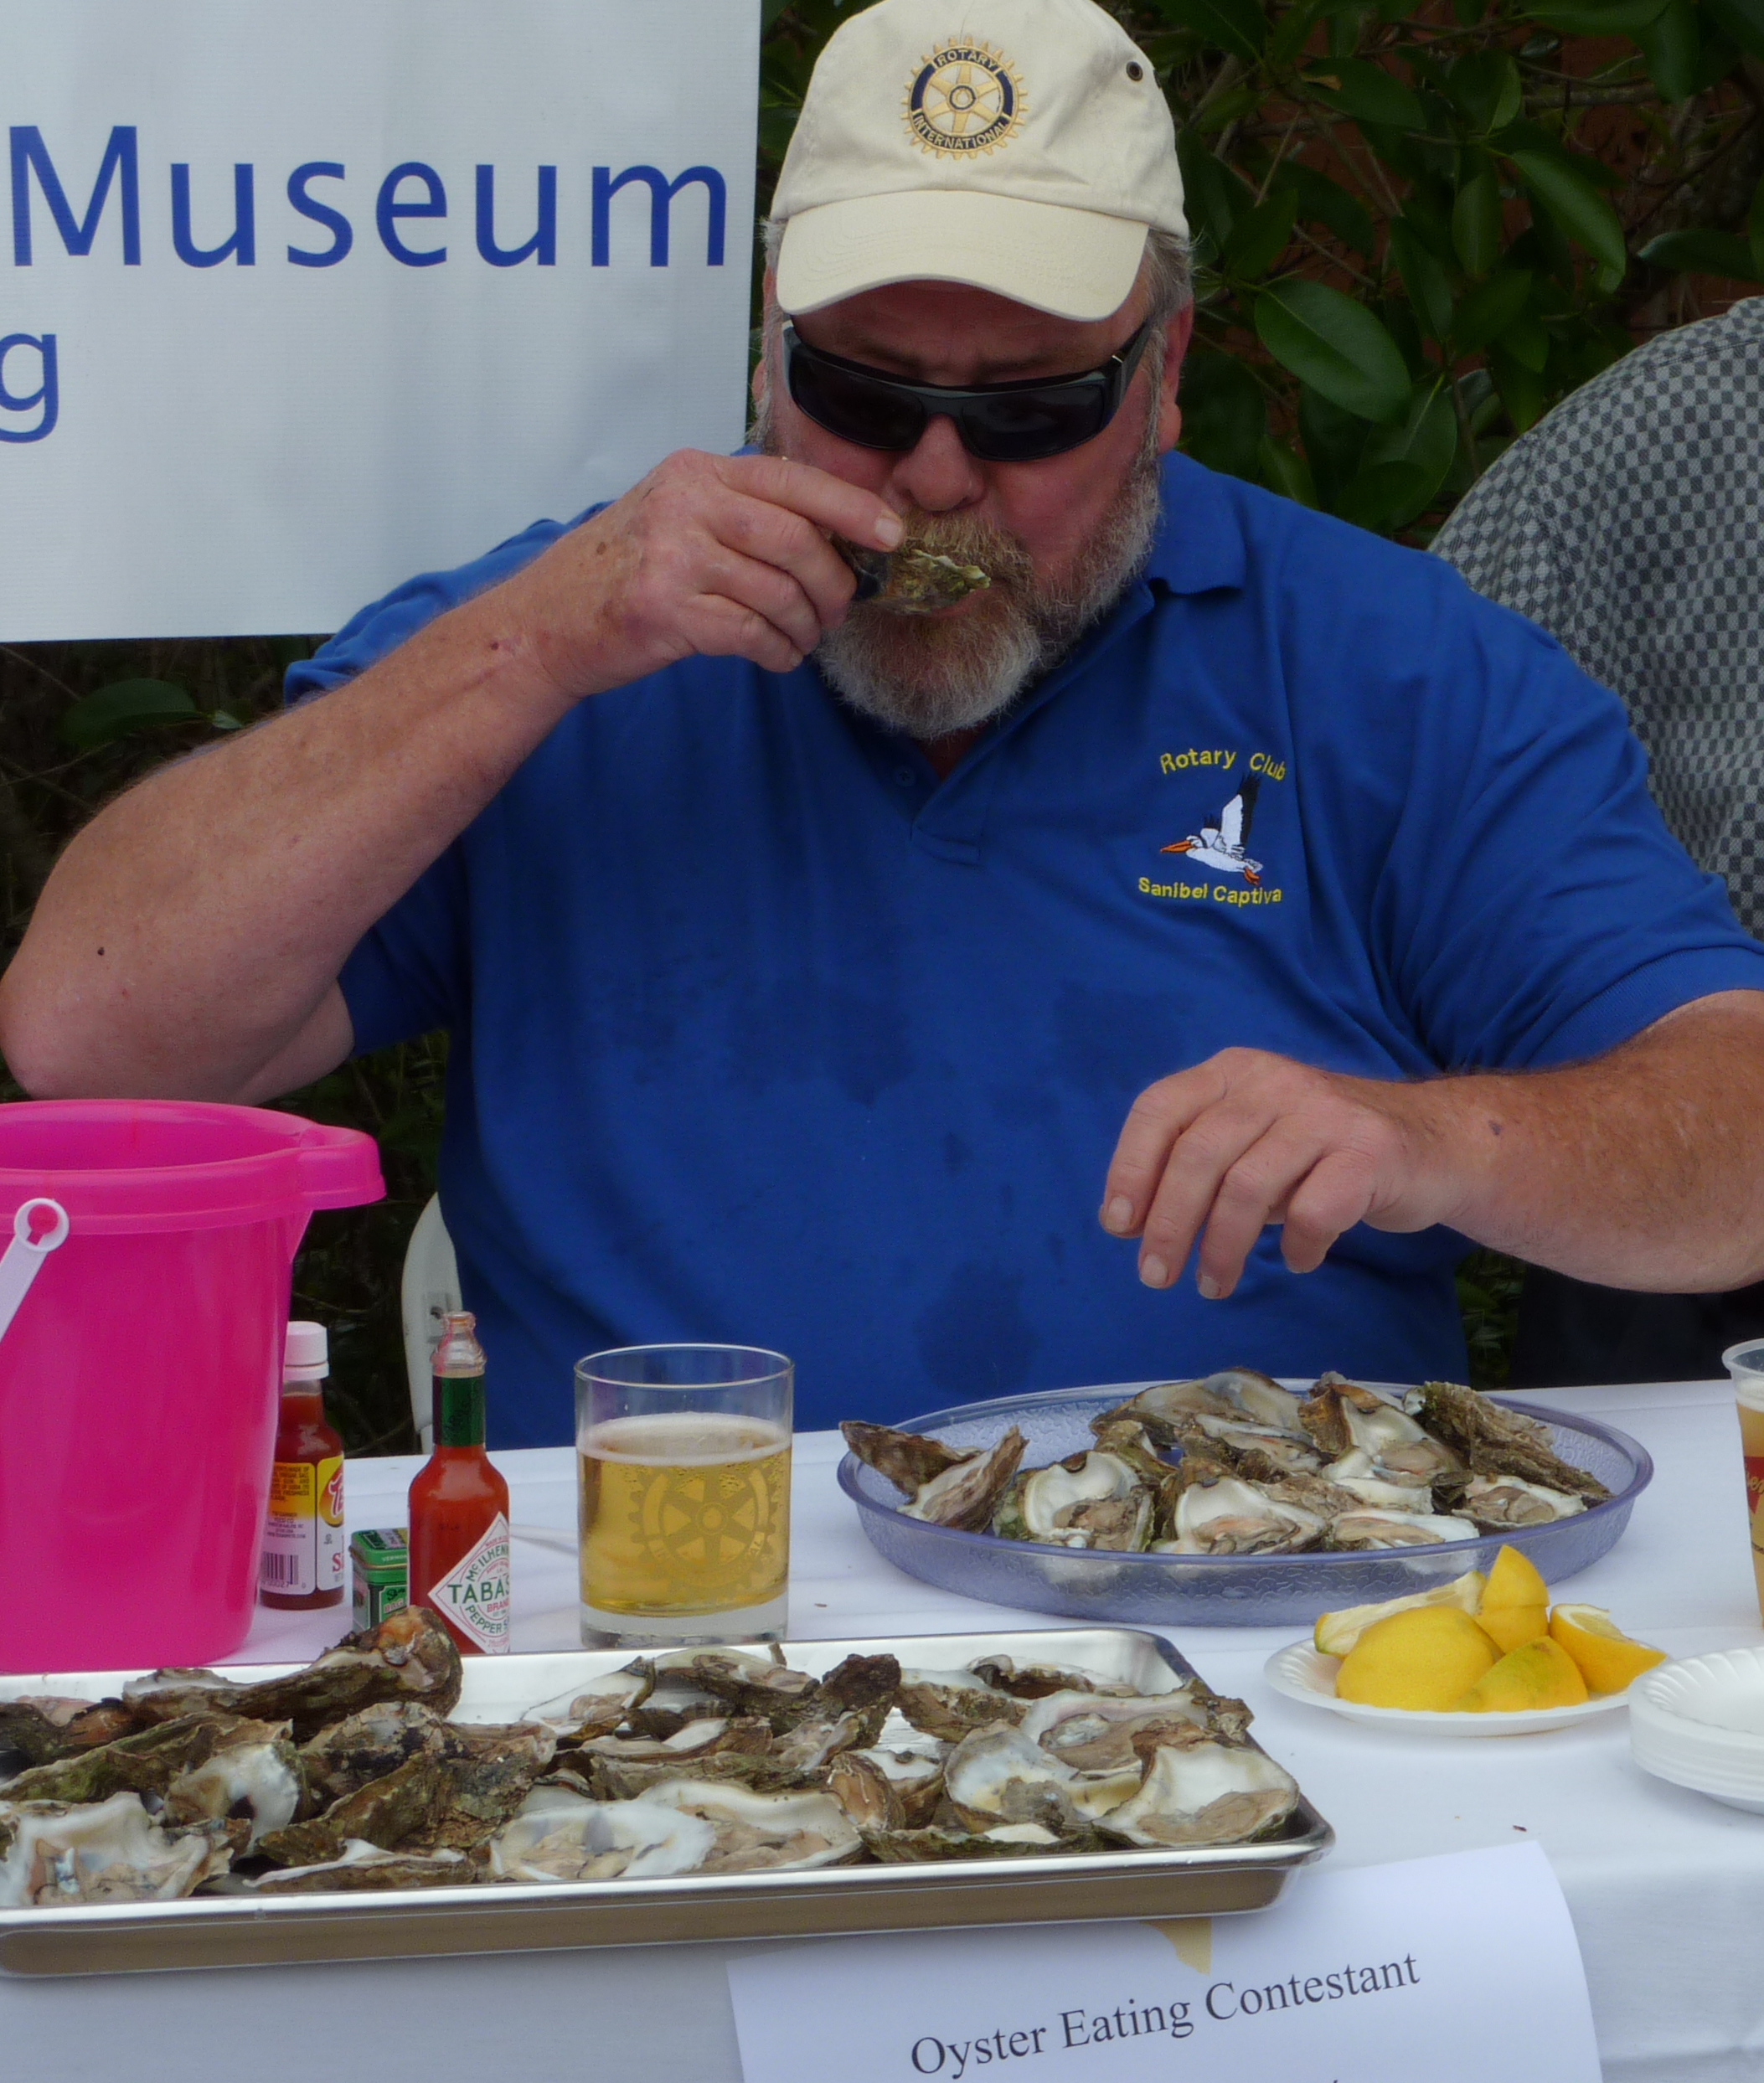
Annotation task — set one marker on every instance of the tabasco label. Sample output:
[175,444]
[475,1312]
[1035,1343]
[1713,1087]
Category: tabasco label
[474,1593]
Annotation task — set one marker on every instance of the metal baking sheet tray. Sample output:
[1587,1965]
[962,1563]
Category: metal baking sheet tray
[235,1932]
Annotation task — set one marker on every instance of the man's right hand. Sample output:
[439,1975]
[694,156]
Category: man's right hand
[727,556]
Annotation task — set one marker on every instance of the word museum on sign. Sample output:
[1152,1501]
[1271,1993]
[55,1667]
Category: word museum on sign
[316,219]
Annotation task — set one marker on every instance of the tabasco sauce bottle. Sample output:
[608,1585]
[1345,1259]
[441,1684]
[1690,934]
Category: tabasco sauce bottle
[459,1505]
[305,1549]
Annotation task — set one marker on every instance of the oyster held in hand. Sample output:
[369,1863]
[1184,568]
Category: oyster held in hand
[909,579]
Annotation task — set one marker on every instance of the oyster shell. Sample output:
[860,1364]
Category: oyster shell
[406,1803]
[145,1762]
[252,1774]
[1090,1500]
[559,1836]
[410,1656]
[598,1706]
[1235,1393]
[1495,1441]
[1498,1502]
[691,1741]
[361,1866]
[1372,1529]
[1206,1793]
[1093,1734]
[757,1831]
[1004,1775]
[54,1855]
[365,1746]
[964,1497]
[753,1684]
[1009,1840]
[911,580]
[1340,1415]
[951,1705]
[1377,1486]
[37,1728]
[1036,1681]
[886,1790]
[1223,1515]
[908,1460]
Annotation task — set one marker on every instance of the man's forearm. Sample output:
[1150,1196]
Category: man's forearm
[1643,1169]
[194,929]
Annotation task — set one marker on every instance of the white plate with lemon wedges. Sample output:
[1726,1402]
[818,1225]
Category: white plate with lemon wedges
[1482,1656]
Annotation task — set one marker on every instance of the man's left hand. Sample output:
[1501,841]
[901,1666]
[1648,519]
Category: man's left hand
[1246,1139]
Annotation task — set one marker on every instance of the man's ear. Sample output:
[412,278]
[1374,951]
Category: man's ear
[1177,335]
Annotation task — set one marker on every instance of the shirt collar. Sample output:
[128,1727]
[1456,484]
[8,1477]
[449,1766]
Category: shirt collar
[1199,547]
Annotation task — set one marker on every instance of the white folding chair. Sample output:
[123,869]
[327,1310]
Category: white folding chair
[429,1291]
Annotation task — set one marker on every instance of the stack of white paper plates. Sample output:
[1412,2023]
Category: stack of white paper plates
[1700,1723]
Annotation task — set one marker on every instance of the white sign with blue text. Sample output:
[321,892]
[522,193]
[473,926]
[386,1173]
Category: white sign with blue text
[298,297]
[1457,1969]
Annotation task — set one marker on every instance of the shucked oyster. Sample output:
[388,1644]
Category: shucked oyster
[251,1775]
[1090,1500]
[1497,1502]
[1223,1515]
[950,1704]
[558,1836]
[1003,1776]
[1236,1394]
[52,1854]
[1206,1793]
[1340,1415]
[755,1832]
[911,580]
[886,1790]
[962,1486]
[1395,1529]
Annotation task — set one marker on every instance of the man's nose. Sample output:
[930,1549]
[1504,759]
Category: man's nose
[938,475]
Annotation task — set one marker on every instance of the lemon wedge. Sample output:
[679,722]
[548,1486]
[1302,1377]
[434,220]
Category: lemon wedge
[1606,1656]
[1540,1674]
[1514,1581]
[1512,1627]
[1427,1658]
[1336,1633]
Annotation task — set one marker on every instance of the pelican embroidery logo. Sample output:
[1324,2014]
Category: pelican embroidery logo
[964,98]
[1220,845]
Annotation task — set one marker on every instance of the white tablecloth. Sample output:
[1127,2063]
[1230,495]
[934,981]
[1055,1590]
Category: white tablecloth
[1666,1888]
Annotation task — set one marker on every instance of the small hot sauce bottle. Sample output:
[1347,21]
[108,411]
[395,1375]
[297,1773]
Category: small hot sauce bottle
[459,1505]
[304,1548]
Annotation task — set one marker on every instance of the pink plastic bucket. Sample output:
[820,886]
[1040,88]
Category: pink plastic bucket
[139,1378]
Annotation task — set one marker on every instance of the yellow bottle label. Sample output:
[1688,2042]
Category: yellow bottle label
[304,1546]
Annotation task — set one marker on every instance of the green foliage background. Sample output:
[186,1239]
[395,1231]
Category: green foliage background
[1417,227]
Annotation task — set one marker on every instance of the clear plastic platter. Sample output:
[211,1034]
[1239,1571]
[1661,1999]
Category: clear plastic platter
[1212,1590]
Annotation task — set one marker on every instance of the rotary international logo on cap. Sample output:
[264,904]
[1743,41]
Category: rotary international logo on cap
[964,98]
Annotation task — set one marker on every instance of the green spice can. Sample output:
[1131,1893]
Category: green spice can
[381,1570]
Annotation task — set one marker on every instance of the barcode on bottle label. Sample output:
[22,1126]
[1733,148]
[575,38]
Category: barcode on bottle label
[281,1573]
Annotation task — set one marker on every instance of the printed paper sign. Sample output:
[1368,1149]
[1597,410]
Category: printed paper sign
[1461,1968]
[300,298]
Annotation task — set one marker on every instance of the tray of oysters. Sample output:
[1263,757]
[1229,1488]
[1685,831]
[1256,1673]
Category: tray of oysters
[391,1800]
[1233,1499]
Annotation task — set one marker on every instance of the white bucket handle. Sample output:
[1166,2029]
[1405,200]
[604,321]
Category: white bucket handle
[23,1257]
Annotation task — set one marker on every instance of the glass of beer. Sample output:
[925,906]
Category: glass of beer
[683,1453]
[1746,1363]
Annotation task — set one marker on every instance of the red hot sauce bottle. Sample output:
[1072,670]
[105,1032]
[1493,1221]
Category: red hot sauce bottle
[305,1551]
[459,1506]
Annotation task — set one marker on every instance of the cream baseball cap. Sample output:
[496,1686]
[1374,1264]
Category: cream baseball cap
[1023,146]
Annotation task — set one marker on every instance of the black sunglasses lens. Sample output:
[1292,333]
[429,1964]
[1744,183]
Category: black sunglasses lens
[1026,426]
[869,414]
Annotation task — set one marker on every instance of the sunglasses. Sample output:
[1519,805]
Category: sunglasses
[1022,422]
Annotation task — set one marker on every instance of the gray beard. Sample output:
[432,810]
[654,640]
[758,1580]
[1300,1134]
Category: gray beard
[931,675]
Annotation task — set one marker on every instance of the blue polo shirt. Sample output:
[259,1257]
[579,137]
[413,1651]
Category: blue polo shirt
[761,1033]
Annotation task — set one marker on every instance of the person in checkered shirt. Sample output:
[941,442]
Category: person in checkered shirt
[1630,523]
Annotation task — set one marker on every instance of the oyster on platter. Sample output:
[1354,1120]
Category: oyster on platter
[54,1854]
[704,1761]
[1231,1463]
